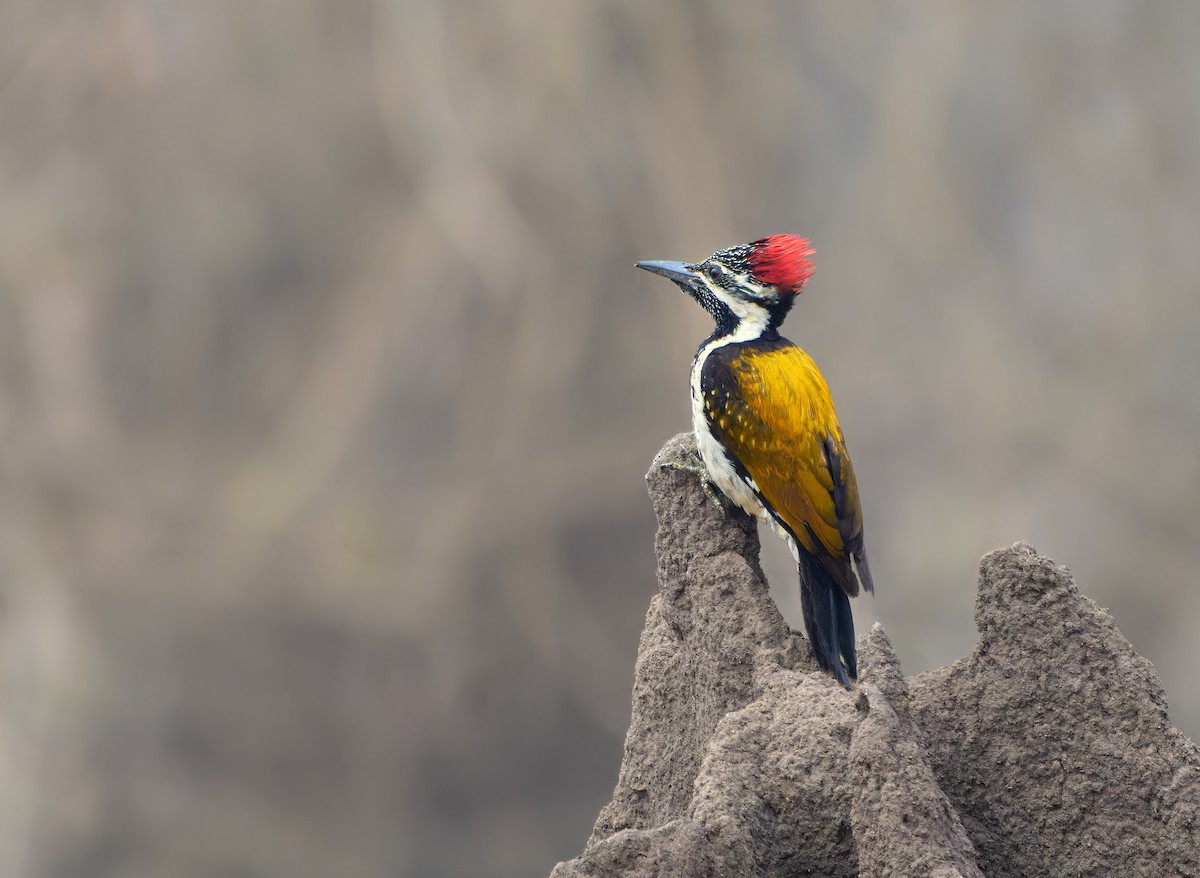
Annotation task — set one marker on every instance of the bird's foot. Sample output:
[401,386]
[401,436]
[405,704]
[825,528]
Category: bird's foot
[696,467]
[715,494]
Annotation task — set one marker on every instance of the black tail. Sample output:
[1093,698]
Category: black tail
[828,620]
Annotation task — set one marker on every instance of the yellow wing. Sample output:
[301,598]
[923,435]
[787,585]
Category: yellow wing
[769,406]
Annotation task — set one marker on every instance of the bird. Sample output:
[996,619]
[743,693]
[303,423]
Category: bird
[768,434]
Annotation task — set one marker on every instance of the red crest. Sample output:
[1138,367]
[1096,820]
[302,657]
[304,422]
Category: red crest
[781,261]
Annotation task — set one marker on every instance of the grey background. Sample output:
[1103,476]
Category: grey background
[327,385]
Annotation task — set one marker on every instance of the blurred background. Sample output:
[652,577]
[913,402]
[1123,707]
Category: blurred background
[327,385]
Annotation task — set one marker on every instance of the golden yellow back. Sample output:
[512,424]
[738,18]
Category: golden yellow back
[768,404]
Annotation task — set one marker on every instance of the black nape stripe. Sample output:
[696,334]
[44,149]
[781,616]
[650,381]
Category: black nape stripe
[778,310]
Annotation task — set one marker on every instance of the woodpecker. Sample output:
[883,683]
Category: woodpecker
[768,434]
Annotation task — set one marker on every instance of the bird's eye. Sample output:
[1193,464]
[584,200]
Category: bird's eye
[714,271]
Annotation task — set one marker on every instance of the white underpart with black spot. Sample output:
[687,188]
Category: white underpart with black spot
[753,320]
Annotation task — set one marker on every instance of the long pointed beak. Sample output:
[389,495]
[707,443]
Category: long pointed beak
[680,272]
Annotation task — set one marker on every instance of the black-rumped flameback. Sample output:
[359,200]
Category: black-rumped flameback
[768,434]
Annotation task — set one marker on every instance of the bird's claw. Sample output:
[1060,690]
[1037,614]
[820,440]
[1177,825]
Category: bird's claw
[714,493]
[697,468]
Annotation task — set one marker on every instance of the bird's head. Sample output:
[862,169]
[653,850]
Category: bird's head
[753,283]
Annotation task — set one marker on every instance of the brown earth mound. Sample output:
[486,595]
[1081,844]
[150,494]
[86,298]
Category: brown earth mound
[1046,751]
